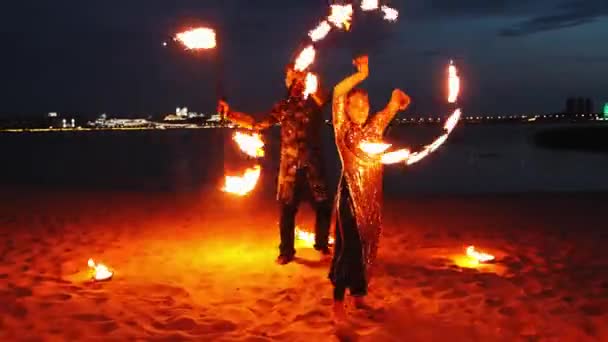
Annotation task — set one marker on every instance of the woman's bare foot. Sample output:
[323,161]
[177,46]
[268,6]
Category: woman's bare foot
[339,311]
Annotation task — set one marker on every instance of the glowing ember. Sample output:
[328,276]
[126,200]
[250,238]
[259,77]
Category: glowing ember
[251,144]
[100,271]
[453,83]
[390,14]
[341,16]
[395,157]
[320,31]
[452,121]
[312,84]
[242,185]
[305,59]
[196,39]
[373,148]
[309,238]
[369,5]
[478,256]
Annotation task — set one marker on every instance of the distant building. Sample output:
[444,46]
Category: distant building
[579,105]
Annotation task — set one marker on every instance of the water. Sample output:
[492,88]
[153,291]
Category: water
[476,159]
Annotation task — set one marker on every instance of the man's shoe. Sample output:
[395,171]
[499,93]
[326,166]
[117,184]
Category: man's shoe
[285,259]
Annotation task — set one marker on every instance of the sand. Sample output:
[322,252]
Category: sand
[201,267]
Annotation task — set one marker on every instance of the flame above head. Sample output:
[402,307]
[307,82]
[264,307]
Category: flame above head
[479,256]
[101,271]
[373,148]
[242,185]
[305,58]
[312,84]
[453,83]
[450,124]
[250,144]
[395,157]
[320,32]
[309,238]
[369,5]
[390,14]
[341,16]
[197,39]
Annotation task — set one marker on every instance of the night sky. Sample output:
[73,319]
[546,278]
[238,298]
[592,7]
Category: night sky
[89,57]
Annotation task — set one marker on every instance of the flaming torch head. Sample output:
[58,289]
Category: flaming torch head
[369,5]
[453,83]
[305,58]
[242,185]
[312,84]
[320,31]
[341,16]
[390,14]
[373,148]
[197,39]
[250,144]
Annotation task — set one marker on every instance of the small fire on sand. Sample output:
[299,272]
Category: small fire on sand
[478,257]
[100,272]
[309,238]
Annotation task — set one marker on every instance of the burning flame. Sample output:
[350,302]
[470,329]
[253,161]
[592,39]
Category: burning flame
[101,271]
[312,84]
[478,256]
[305,58]
[453,83]
[452,121]
[251,144]
[373,148]
[341,16]
[390,14]
[309,238]
[369,5]
[320,32]
[395,157]
[242,185]
[199,38]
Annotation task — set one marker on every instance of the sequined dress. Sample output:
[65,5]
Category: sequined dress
[361,181]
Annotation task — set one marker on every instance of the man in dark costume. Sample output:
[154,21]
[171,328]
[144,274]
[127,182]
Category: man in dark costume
[358,215]
[301,171]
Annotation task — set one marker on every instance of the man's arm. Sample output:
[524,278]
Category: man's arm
[245,120]
[271,119]
[399,102]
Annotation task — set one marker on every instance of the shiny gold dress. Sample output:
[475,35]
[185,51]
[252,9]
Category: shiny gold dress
[359,197]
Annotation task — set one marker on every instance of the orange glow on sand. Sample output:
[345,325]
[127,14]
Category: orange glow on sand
[197,39]
[308,238]
[251,144]
[99,272]
[242,185]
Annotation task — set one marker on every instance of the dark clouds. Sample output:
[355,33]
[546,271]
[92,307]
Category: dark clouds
[564,15]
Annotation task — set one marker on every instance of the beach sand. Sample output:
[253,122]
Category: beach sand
[201,267]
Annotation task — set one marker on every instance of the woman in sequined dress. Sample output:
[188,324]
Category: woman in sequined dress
[358,218]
